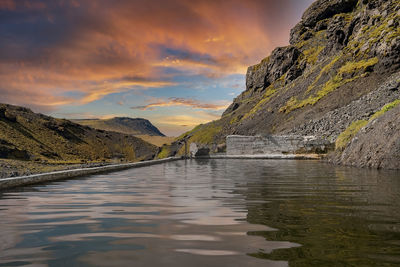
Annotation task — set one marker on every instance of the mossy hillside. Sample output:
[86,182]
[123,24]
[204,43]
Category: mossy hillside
[311,55]
[371,35]
[384,30]
[164,153]
[355,69]
[385,109]
[189,133]
[270,92]
[205,135]
[347,135]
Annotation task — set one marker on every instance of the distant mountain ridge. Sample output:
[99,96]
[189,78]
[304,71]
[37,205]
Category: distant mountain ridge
[126,125]
[32,136]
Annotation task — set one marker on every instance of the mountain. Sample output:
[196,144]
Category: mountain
[27,135]
[339,76]
[124,125]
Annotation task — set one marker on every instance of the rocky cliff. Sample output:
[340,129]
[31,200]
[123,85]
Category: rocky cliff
[342,66]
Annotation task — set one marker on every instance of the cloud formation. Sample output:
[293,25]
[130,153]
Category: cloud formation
[66,52]
[178,101]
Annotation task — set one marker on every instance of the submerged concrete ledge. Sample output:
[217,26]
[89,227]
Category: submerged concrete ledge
[59,175]
[264,156]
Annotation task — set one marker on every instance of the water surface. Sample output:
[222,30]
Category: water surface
[207,213]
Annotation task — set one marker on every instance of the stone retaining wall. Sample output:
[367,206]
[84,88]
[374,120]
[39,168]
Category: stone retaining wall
[58,175]
[276,144]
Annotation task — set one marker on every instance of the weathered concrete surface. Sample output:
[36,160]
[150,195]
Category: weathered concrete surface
[59,175]
[273,144]
[266,156]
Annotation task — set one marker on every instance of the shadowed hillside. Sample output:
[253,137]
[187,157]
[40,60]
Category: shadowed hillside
[27,135]
[138,127]
[124,125]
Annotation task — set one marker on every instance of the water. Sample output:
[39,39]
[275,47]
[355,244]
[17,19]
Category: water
[207,213]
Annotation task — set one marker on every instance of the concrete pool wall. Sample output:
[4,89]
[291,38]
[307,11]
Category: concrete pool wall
[59,175]
[275,144]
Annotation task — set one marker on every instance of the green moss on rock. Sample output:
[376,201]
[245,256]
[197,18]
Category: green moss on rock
[347,135]
[385,109]
[164,153]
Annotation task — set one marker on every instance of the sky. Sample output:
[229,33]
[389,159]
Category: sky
[178,63]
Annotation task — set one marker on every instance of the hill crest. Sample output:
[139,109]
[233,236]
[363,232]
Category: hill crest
[126,125]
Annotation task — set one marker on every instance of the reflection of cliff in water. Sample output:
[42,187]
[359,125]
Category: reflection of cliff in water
[342,215]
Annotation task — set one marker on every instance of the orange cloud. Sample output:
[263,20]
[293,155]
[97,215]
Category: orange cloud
[91,48]
[7,5]
[115,87]
[177,101]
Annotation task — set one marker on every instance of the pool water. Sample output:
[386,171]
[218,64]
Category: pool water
[207,213]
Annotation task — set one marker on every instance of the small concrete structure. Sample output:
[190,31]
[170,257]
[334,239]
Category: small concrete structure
[193,150]
[58,175]
[275,144]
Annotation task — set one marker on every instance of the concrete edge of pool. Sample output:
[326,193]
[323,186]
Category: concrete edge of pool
[59,175]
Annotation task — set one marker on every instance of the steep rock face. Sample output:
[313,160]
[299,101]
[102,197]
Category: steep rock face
[336,121]
[317,13]
[342,58]
[376,145]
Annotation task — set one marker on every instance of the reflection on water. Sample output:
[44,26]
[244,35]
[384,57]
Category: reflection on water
[207,213]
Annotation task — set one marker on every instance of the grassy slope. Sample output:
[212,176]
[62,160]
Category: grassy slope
[157,140]
[47,138]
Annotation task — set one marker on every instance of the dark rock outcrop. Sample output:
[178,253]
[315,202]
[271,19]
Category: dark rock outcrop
[202,152]
[269,70]
[317,13]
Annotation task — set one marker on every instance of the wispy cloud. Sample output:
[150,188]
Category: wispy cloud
[178,101]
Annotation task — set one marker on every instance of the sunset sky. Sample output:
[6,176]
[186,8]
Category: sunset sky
[177,63]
